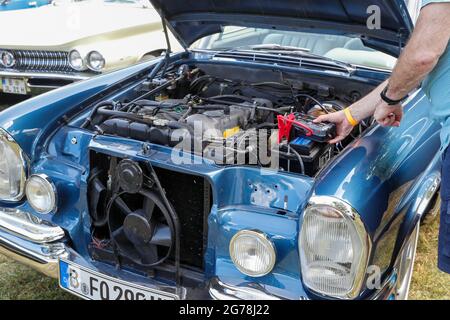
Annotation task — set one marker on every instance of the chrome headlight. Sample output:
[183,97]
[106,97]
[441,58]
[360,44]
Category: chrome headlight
[7,59]
[252,253]
[76,61]
[96,62]
[13,166]
[41,193]
[334,248]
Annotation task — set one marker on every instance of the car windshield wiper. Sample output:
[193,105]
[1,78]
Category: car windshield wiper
[290,50]
[277,47]
[296,51]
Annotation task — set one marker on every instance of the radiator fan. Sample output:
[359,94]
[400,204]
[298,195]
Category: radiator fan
[141,227]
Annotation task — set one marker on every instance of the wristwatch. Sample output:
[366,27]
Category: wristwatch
[390,101]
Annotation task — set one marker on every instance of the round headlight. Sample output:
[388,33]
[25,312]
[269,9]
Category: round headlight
[334,248]
[252,253]
[41,193]
[76,60]
[96,61]
[7,59]
[13,168]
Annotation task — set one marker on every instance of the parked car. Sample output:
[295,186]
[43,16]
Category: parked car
[71,41]
[6,5]
[199,174]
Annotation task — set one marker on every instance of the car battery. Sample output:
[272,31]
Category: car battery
[314,155]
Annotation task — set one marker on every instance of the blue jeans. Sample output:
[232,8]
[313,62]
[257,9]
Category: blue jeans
[444,230]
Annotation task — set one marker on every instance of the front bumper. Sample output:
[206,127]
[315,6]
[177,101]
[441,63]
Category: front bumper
[39,244]
[31,241]
[38,82]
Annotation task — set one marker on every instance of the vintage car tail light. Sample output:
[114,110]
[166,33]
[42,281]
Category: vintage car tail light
[12,169]
[41,193]
[96,62]
[334,248]
[252,253]
[76,61]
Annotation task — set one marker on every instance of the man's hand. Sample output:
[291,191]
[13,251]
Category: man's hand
[343,127]
[388,116]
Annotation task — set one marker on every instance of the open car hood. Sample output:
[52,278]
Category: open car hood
[192,20]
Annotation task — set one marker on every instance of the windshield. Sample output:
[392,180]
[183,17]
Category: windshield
[336,47]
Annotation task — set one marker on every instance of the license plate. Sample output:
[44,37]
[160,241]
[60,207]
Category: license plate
[15,86]
[89,284]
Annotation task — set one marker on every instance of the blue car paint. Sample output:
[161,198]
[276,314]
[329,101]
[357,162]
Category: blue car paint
[385,164]
[9,5]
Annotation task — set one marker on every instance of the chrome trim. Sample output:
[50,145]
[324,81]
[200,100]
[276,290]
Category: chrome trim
[219,290]
[262,236]
[42,257]
[52,186]
[29,227]
[429,189]
[44,75]
[25,164]
[408,251]
[387,290]
[350,213]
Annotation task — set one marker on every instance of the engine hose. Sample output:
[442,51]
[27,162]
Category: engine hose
[232,96]
[185,115]
[172,124]
[243,105]
[267,125]
[88,120]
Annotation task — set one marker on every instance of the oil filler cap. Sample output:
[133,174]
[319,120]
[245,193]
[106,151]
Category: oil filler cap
[130,176]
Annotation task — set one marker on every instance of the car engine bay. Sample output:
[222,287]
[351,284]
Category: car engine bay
[232,121]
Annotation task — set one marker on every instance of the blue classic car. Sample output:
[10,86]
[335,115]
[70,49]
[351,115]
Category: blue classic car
[200,174]
[6,5]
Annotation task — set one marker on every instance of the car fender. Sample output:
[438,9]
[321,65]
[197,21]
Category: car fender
[380,175]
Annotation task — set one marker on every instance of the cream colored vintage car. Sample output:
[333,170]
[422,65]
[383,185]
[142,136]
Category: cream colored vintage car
[55,45]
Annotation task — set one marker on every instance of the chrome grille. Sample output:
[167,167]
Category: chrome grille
[44,61]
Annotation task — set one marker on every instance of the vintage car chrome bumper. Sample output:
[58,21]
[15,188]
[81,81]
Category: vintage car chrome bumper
[31,241]
[222,291]
[37,81]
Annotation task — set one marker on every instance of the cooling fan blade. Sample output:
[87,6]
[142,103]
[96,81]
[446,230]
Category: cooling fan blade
[162,236]
[144,235]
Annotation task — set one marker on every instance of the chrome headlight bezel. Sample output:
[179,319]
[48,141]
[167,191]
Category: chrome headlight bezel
[89,61]
[267,243]
[82,67]
[24,163]
[351,216]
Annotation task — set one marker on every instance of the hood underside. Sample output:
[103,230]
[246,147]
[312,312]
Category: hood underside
[192,20]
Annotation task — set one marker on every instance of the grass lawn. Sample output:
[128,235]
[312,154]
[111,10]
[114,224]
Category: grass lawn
[428,282]
[20,282]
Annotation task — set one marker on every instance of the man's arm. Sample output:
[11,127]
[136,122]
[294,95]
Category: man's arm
[427,44]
